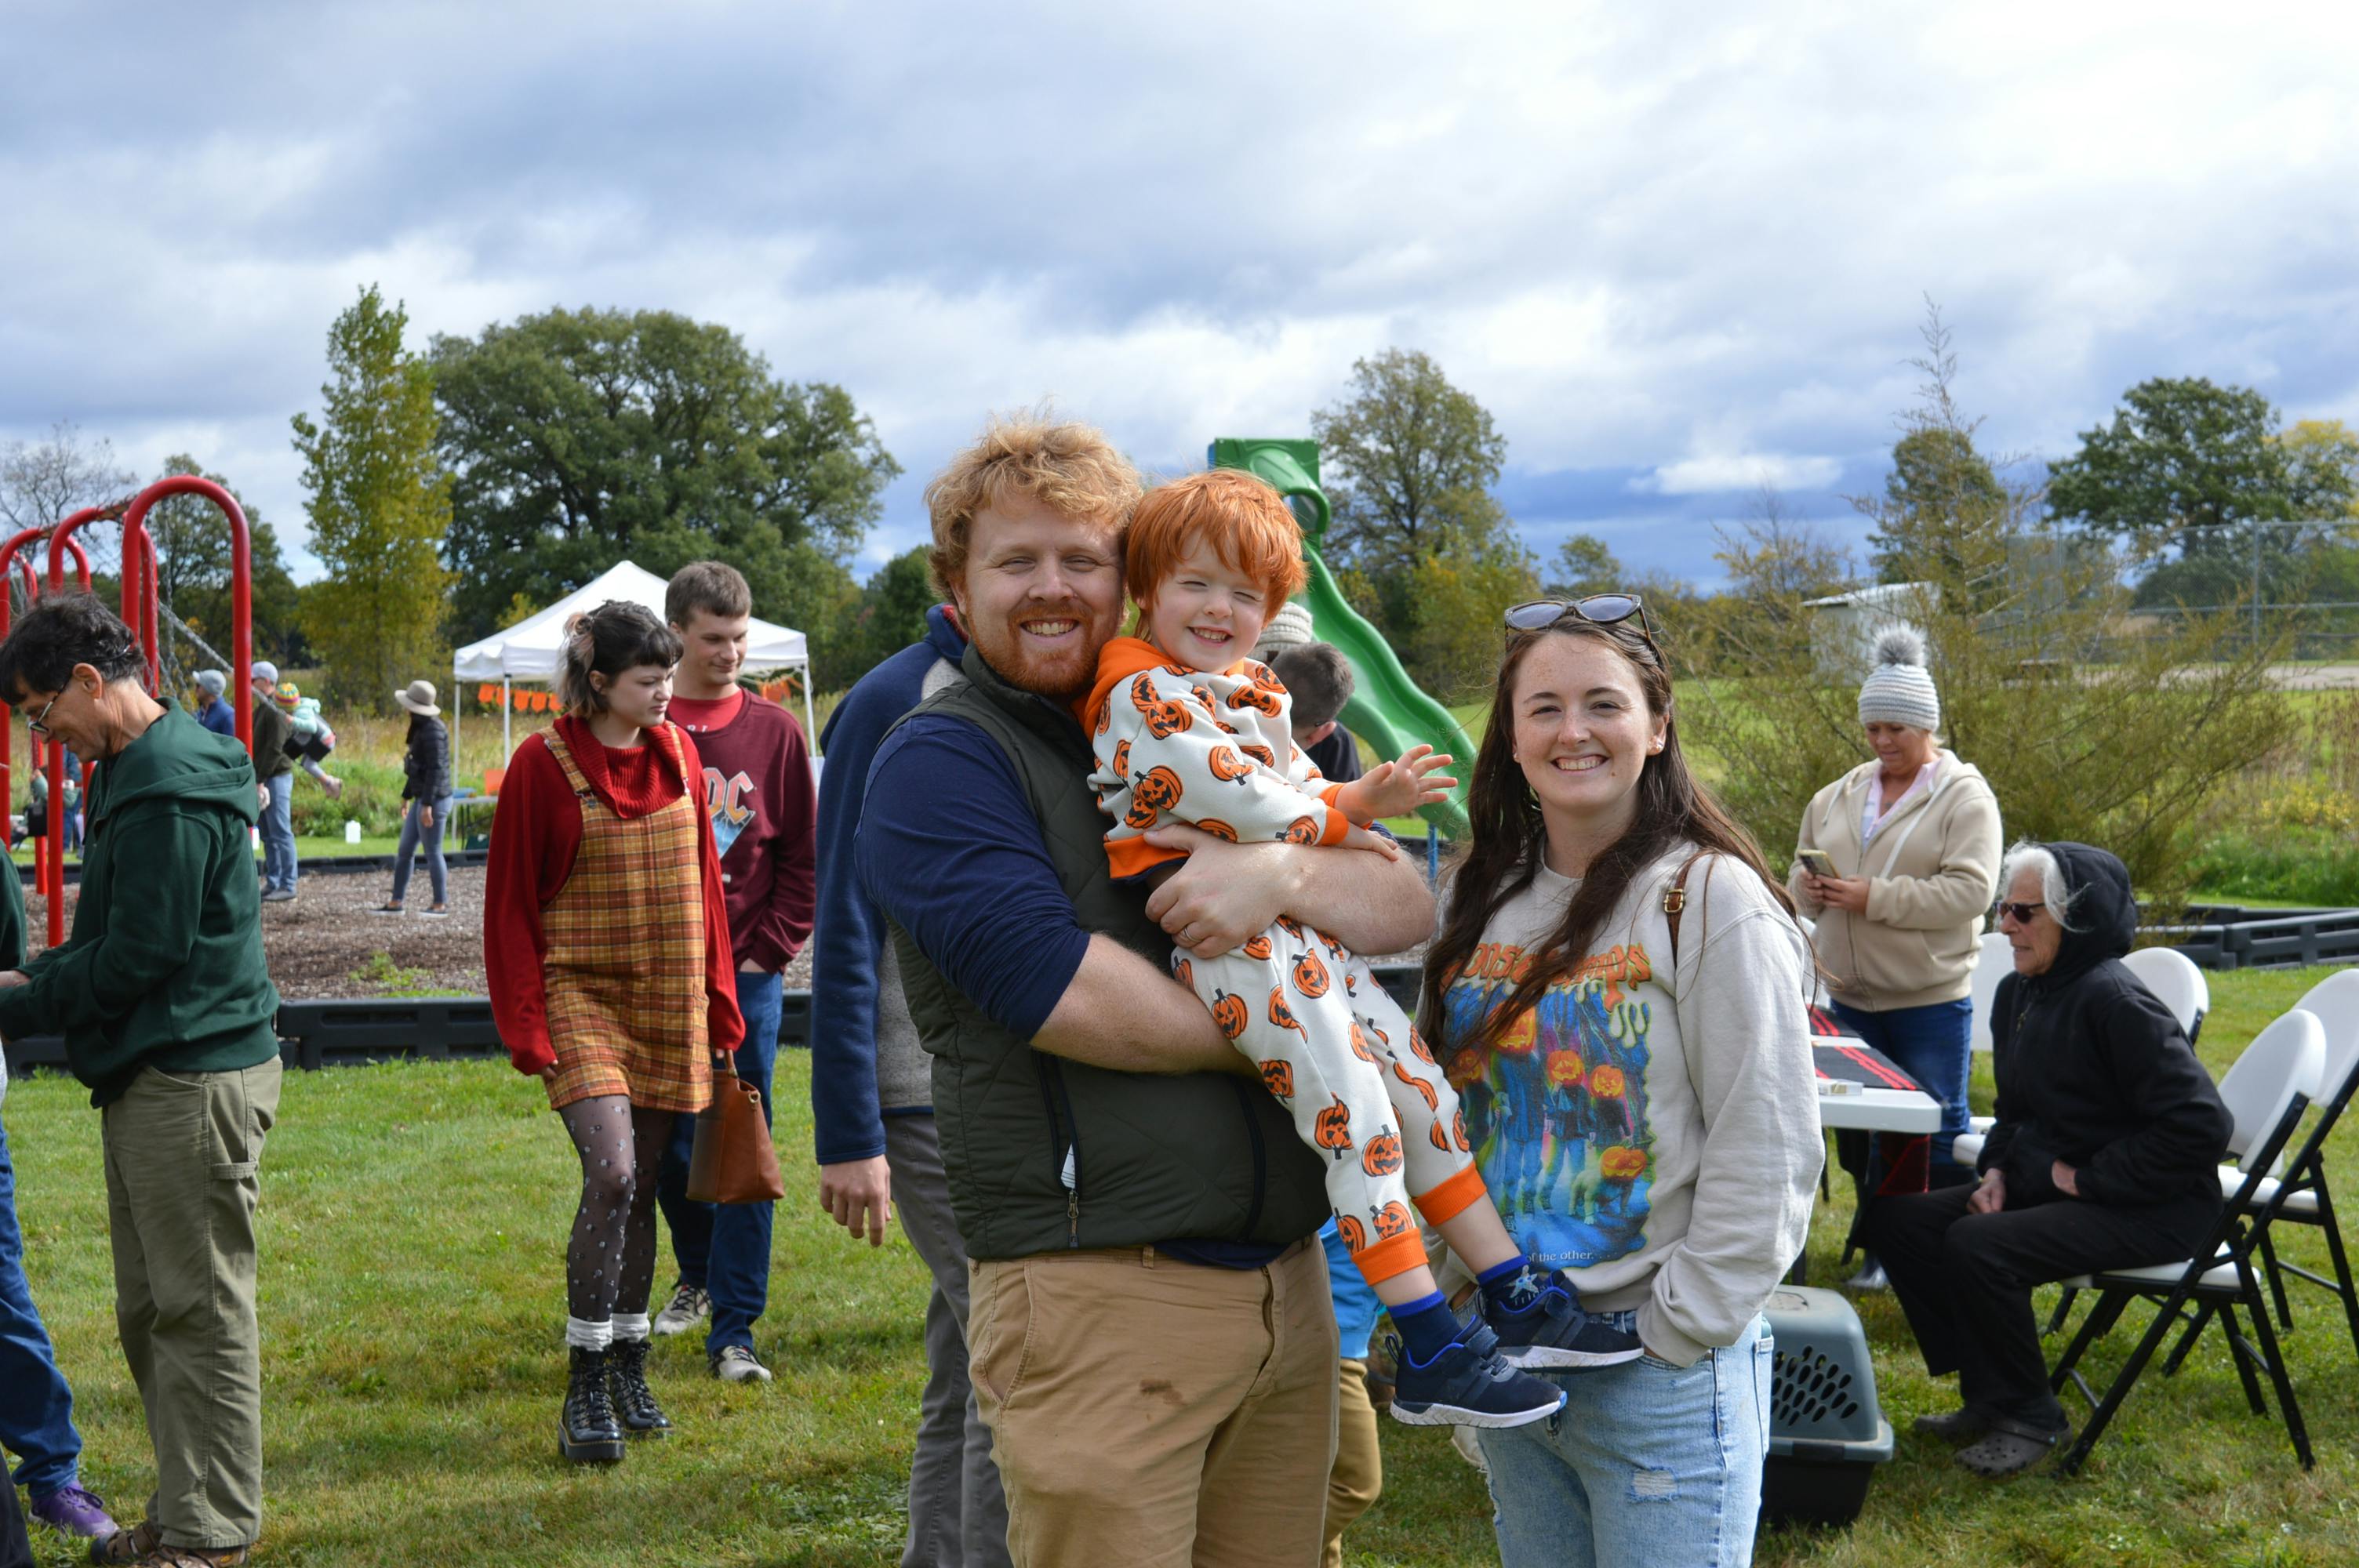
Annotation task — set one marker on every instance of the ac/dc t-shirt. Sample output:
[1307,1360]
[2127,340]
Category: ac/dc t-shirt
[764,811]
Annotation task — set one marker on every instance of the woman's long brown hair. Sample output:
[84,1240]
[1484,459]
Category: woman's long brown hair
[1509,839]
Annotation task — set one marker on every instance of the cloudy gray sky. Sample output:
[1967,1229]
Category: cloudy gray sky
[1677,250]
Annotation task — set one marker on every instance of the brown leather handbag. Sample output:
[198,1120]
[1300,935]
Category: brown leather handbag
[732,1161]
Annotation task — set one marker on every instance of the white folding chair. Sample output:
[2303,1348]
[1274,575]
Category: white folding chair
[2305,1199]
[1992,965]
[2272,1084]
[2172,975]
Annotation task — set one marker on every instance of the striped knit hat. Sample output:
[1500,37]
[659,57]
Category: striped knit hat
[1289,628]
[1899,691]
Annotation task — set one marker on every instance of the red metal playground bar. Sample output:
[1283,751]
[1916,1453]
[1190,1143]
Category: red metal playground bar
[140,577]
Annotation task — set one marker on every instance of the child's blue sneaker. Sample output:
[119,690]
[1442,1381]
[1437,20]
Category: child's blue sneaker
[1551,1330]
[1468,1385]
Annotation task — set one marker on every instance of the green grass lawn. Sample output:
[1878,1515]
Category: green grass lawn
[412,1304]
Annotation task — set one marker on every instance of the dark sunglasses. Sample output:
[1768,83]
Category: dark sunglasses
[1598,609]
[2022,912]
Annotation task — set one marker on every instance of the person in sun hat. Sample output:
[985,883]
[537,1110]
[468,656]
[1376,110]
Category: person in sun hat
[425,798]
[1908,842]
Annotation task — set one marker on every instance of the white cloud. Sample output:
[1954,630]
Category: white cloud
[1730,471]
[1655,244]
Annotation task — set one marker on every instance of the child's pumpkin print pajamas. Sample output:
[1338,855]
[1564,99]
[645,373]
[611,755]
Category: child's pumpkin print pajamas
[1179,745]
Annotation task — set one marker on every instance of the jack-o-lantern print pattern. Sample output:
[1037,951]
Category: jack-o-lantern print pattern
[1174,751]
[1334,1049]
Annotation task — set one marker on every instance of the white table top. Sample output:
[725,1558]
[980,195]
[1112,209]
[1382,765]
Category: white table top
[1855,1106]
[1880,1110]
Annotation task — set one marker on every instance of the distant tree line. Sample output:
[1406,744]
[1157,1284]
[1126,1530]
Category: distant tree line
[453,488]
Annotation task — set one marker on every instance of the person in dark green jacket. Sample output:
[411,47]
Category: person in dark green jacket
[168,1013]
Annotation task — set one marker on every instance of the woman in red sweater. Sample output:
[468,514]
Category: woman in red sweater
[607,943]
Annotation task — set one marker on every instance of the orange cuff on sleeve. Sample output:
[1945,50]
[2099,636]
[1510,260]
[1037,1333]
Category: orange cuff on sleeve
[1393,1255]
[1452,1197]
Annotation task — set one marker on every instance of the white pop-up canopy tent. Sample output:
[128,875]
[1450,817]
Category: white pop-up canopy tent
[528,650]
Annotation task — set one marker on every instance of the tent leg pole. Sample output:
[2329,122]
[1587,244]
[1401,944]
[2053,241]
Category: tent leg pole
[507,705]
[810,723]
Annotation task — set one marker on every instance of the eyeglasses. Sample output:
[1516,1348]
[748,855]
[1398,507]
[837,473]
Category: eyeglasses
[2022,912]
[1598,609]
[39,723]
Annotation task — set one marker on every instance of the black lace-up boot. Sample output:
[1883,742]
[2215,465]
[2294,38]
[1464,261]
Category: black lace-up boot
[626,1374]
[587,1433]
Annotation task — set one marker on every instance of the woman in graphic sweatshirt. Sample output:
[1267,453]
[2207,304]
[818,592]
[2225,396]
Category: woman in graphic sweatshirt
[1619,973]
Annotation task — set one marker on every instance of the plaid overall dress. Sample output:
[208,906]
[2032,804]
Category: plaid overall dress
[624,971]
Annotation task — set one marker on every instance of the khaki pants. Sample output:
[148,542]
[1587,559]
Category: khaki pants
[1156,1413]
[1358,1475]
[182,1152]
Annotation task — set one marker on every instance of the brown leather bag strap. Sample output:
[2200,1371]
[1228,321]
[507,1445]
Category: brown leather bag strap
[1675,904]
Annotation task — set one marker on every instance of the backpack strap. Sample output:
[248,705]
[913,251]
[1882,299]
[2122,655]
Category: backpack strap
[1675,902]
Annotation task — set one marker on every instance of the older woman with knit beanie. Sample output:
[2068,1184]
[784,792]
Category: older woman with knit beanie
[1897,862]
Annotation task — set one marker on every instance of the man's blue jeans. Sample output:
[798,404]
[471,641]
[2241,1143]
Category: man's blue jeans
[35,1406]
[725,1248]
[1933,1044]
[279,835]
[1646,1463]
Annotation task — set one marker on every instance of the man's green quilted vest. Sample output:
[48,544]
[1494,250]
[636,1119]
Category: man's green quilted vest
[1155,1158]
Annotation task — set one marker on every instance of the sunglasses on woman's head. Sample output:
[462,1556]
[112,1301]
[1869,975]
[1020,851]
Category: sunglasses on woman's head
[2022,912]
[1598,609]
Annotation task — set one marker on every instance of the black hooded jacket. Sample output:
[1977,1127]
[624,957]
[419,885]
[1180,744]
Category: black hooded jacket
[2095,1071]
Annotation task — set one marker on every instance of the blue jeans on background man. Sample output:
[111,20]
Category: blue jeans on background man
[279,835]
[725,1248]
[1934,1045]
[36,1405]
[413,834]
[1646,1463]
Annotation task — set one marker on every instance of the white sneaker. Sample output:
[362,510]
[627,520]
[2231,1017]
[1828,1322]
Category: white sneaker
[738,1364]
[688,1307]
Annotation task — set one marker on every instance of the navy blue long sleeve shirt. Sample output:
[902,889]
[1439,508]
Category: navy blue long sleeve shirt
[966,870]
[848,944]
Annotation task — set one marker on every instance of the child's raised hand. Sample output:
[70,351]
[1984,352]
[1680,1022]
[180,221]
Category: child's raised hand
[1369,838]
[1396,789]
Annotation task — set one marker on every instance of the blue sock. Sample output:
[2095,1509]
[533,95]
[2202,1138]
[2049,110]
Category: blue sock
[1515,1284]
[1427,1326]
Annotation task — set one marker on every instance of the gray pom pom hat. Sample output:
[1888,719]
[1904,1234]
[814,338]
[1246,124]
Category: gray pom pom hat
[1899,690]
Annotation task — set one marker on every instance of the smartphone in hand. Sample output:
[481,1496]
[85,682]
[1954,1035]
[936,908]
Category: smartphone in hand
[1818,863]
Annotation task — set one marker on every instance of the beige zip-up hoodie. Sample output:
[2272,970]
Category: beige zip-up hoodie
[1932,871]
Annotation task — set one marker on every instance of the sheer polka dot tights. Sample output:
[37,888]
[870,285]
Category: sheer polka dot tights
[610,1261]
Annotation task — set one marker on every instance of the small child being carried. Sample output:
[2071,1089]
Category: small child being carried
[1187,730]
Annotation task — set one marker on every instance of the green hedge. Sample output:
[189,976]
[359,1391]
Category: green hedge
[2301,865]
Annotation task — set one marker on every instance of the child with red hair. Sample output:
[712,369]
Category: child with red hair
[1188,729]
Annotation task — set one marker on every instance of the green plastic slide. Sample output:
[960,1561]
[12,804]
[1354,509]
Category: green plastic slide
[1386,709]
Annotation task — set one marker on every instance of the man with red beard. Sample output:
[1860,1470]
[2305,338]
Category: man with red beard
[1149,1334]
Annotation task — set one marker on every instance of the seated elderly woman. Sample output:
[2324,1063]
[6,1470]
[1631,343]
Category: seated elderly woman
[2104,1155]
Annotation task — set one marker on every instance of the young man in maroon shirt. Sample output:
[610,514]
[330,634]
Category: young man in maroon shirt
[765,807]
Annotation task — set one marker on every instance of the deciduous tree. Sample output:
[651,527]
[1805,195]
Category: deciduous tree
[1585,566]
[42,482]
[2183,463]
[579,437]
[380,507]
